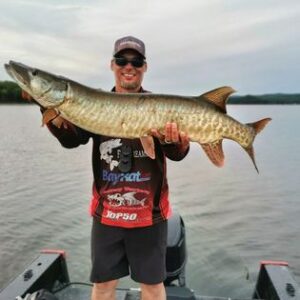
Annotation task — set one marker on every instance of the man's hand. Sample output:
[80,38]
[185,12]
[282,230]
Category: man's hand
[26,96]
[49,115]
[172,135]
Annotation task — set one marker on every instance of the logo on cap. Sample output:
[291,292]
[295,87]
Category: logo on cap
[129,42]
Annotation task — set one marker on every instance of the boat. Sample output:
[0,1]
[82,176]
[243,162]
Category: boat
[47,277]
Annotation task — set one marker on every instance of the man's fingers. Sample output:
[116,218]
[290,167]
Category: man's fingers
[155,133]
[26,96]
[184,138]
[174,133]
[168,133]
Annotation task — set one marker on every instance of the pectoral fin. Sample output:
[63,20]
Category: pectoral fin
[148,145]
[48,115]
[214,151]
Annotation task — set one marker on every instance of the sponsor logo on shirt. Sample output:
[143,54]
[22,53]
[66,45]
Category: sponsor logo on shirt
[121,215]
[136,153]
[124,177]
[106,152]
[126,199]
[106,149]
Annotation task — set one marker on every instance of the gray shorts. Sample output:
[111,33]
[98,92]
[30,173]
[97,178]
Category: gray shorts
[117,252]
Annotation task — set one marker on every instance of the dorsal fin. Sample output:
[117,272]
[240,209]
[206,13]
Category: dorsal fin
[219,96]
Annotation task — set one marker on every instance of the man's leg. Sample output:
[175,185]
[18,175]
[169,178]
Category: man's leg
[104,290]
[153,291]
[146,251]
[109,262]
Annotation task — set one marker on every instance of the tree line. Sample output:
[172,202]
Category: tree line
[10,92]
[266,99]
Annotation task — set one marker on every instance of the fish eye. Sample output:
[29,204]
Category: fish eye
[34,72]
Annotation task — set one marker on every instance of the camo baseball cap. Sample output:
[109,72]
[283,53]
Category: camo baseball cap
[129,42]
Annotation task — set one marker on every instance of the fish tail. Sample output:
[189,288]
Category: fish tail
[258,127]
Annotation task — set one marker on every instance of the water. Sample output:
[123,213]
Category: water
[234,217]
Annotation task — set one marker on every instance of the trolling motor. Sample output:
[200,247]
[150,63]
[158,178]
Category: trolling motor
[176,251]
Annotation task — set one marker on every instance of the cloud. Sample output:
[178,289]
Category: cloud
[189,44]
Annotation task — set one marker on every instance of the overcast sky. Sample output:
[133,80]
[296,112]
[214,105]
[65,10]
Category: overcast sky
[192,46]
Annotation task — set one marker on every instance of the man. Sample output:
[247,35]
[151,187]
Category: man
[130,202]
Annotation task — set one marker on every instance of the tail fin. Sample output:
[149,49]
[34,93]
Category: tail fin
[258,127]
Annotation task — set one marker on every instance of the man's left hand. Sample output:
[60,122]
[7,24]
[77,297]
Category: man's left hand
[172,136]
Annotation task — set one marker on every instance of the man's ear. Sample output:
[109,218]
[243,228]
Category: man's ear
[145,67]
[112,64]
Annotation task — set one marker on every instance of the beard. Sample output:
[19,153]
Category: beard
[129,85]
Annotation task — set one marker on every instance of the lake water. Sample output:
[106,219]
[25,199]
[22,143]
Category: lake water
[234,217]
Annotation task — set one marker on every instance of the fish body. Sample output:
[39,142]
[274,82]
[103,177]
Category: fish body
[134,115]
[122,115]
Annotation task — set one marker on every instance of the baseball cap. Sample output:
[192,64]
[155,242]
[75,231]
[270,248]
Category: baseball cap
[129,42]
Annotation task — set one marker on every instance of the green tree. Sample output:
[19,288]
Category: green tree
[10,92]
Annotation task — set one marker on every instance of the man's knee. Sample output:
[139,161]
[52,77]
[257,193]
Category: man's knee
[153,291]
[104,290]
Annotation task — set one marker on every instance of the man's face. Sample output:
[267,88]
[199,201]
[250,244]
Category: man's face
[128,78]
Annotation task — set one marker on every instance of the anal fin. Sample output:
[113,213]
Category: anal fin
[215,153]
[148,145]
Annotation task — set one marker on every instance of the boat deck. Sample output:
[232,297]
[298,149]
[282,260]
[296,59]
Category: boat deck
[49,272]
[80,292]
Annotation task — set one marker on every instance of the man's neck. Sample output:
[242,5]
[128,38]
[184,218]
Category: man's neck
[122,90]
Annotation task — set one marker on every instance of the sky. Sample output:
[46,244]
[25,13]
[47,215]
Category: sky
[192,46]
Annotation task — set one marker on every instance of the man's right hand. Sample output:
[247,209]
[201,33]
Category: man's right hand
[52,116]
[49,115]
[26,96]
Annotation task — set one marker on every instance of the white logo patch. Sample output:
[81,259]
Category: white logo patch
[127,199]
[106,152]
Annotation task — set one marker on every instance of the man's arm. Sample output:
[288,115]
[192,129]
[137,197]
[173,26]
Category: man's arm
[69,135]
[175,144]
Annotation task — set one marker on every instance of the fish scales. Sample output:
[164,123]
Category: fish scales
[132,116]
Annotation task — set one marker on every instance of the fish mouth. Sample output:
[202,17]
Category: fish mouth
[9,70]
[19,72]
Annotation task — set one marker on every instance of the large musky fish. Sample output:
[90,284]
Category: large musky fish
[203,118]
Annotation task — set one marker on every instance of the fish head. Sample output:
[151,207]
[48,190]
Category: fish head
[47,89]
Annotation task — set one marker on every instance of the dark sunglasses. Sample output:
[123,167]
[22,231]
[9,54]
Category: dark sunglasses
[135,62]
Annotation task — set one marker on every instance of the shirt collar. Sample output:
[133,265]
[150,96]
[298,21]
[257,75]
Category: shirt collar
[140,91]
